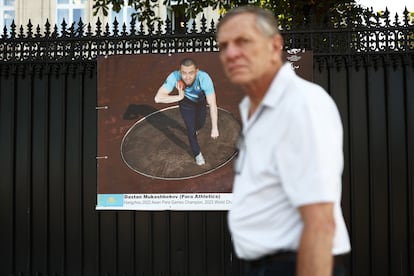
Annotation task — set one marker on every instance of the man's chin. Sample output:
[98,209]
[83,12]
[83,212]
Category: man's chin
[239,79]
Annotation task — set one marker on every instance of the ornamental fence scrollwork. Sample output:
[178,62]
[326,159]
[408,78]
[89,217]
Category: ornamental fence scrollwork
[368,33]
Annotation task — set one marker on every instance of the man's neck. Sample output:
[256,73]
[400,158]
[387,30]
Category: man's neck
[256,91]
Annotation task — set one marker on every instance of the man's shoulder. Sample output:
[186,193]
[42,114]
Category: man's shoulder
[175,74]
[203,74]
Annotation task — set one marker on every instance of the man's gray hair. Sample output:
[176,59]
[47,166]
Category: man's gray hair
[265,20]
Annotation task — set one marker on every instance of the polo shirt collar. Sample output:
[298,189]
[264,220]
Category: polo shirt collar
[278,86]
[274,93]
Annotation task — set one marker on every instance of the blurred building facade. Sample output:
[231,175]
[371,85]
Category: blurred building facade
[55,11]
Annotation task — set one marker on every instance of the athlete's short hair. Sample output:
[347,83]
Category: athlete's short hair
[188,62]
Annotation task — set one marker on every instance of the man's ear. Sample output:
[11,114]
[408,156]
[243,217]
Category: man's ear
[277,41]
[277,45]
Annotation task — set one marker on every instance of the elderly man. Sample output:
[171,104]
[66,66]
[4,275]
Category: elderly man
[286,217]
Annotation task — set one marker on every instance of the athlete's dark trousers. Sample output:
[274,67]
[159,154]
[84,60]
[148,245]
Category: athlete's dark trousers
[194,116]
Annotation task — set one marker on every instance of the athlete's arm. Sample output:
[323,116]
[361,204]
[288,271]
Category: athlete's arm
[163,96]
[211,100]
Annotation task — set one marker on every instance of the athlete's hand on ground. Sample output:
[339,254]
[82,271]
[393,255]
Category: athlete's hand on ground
[214,133]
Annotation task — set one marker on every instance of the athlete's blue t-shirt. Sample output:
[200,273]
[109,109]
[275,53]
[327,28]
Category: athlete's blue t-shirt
[202,85]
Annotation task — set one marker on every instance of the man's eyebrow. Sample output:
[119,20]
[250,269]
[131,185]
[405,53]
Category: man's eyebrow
[221,44]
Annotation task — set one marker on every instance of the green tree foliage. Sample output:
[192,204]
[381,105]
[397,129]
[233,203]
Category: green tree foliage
[144,8]
[286,10]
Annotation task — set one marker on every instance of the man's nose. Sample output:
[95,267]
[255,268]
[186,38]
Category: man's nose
[231,51]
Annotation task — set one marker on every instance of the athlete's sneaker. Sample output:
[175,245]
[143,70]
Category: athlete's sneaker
[200,159]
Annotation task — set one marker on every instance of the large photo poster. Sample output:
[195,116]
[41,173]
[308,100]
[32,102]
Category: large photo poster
[145,153]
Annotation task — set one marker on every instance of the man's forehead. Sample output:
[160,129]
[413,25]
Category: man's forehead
[238,23]
[188,68]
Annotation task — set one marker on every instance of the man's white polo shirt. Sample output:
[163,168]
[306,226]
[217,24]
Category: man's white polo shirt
[290,155]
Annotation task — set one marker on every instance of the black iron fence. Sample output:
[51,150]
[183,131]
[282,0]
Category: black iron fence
[48,92]
[369,33]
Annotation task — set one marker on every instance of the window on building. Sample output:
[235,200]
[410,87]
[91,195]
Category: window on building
[70,10]
[6,13]
[124,16]
[176,13]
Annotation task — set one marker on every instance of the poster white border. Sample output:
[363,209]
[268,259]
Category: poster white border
[165,201]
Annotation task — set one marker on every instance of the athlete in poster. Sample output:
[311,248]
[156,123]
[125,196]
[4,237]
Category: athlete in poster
[195,90]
